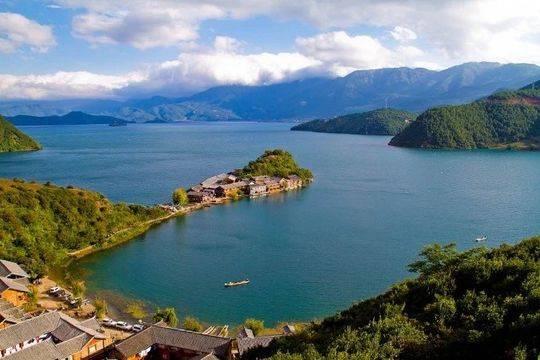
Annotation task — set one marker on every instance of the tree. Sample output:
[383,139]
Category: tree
[101,308]
[136,309]
[33,298]
[78,288]
[190,323]
[180,197]
[255,325]
[168,315]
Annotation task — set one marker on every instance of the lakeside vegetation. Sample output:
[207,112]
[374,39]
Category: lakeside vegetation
[376,122]
[41,223]
[12,139]
[275,162]
[508,119]
[481,303]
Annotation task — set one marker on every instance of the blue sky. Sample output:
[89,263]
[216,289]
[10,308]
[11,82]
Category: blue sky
[113,48]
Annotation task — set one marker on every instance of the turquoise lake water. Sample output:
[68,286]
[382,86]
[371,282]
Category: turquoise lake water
[309,253]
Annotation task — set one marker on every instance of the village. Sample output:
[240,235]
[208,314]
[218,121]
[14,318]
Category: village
[229,186]
[60,328]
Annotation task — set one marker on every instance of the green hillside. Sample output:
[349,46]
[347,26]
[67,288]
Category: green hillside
[40,224]
[508,119]
[12,139]
[478,304]
[275,163]
[376,122]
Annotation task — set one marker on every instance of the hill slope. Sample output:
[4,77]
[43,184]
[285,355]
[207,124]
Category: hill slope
[504,119]
[404,88]
[479,304]
[376,122]
[40,224]
[72,118]
[12,139]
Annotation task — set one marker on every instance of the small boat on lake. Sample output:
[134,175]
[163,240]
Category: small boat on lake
[481,238]
[236,283]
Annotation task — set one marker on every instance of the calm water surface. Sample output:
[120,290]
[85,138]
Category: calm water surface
[308,253]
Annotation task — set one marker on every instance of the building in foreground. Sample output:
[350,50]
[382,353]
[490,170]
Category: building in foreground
[162,342]
[52,336]
[13,283]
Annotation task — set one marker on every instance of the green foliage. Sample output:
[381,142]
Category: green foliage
[376,122]
[192,324]
[101,308]
[479,304]
[255,325]
[179,197]
[168,315]
[40,224]
[275,163]
[78,288]
[136,310]
[509,118]
[12,139]
[33,299]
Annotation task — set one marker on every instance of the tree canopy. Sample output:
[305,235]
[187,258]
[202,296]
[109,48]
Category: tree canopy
[41,223]
[275,163]
[505,119]
[477,304]
[12,139]
[376,122]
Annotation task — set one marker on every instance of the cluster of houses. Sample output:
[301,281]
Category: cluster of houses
[53,335]
[229,185]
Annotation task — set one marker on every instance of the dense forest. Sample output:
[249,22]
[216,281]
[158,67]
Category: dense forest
[275,163]
[12,139]
[41,223]
[376,122]
[477,304]
[508,119]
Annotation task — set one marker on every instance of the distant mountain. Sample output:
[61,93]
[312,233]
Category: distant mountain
[72,118]
[375,122]
[506,119]
[364,90]
[12,139]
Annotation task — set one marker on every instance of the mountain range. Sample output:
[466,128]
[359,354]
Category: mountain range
[71,118]
[412,89]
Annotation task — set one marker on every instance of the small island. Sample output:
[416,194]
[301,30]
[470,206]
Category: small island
[12,139]
[504,120]
[376,122]
[72,118]
[274,171]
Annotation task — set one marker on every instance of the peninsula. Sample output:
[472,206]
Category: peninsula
[44,225]
[376,122]
[507,119]
[12,139]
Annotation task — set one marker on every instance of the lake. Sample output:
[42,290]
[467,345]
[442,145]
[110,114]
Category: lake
[309,253]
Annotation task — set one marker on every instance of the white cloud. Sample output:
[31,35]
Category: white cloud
[17,31]
[403,34]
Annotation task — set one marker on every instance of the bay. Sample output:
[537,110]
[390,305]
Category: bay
[308,253]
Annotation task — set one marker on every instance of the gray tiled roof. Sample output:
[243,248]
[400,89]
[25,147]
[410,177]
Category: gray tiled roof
[246,344]
[6,283]
[9,267]
[73,345]
[174,337]
[45,350]
[60,325]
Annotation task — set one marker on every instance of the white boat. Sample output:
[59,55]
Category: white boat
[481,238]
[236,283]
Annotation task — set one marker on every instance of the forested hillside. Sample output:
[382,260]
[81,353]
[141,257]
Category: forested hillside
[509,119]
[376,122]
[12,139]
[275,162]
[41,223]
[478,304]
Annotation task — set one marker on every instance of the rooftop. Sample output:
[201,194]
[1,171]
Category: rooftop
[6,283]
[157,334]
[10,268]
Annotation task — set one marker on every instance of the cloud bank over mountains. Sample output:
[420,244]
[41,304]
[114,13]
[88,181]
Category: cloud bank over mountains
[421,33]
